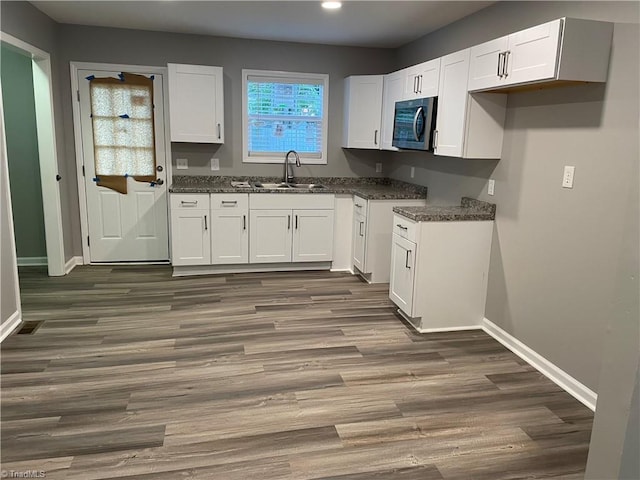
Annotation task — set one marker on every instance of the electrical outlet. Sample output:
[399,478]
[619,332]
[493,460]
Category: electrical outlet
[491,187]
[567,177]
[182,163]
[413,172]
[378,167]
[215,164]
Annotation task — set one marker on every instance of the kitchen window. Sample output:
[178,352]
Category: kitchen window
[284,111]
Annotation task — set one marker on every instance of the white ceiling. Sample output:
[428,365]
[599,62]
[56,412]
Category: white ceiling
[387,24]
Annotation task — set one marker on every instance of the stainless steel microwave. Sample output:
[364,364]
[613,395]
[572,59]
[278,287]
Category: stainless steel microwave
[414,123]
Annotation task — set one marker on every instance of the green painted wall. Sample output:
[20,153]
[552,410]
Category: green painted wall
[22,149]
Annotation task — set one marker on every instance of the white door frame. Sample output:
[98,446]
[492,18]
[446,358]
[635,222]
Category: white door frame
[77,133]
[47,152]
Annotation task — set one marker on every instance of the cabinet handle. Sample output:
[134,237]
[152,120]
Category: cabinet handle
[361,224]
[375,137]
[229,202]
[358,205]
[420,84]
[506,63]
[288,222]
[499,72]
[205,223]
[296,222]
[406,260]
[400,226]
[244,222]
[435,139]
[219,132]
[415,84]
[182,202]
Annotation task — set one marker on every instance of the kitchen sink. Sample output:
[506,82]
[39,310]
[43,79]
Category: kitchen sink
[288,186]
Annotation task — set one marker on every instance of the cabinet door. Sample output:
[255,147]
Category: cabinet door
[363,108]
[229,237]
[270,236]
[532,54]
[393,92]
[196,103]
[422,80]
[359,241]
[403,260]
[190,237]
[485,59]
[312,235]
[452,103]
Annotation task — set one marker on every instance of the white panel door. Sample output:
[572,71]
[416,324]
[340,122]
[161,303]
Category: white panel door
[312,235]
[229,237]
[392,92]
[485,59]
[532,54]
[402,273]
[191,237]
[452,103]
[359,241]
[422,80]
[364,110]
[132,226]
[270,236]
[196,103]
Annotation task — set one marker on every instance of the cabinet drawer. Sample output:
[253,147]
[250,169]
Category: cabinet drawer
[229,201]
[360,206]
[190,200]
[405,228]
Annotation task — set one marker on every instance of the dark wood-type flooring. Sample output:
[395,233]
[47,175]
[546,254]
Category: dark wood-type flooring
[306,375]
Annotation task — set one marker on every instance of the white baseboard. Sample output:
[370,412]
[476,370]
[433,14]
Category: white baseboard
[72,263]
[561,378]
[10,325]
[31,261]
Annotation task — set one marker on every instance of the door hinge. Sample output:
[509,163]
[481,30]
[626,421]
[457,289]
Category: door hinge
[88,242]
[78,94]
[83,170]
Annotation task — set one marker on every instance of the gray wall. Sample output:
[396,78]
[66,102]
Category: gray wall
[24,21]
[556,253]
[22,148]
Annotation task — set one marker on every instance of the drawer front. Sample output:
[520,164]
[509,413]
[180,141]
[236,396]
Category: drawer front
[360,206]
[230,201]
[405,228]
[190,200]
[300,201]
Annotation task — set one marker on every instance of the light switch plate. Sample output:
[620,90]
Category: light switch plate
[567,177]
[215,164]
[378,167]
[182,163]
[492,186]
[413,172]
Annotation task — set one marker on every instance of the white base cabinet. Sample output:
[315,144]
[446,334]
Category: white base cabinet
[312,235]
[372,236]
[439,272]
[229,229]
[190,229]
[270,236]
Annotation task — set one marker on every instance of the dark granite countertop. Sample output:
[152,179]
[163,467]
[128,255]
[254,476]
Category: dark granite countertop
[469,209]
[368,188]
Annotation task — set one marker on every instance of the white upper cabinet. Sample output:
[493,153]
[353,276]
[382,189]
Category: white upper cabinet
[467,125]
[392,92]
[196,103]
[422,80]
[362,111]
[567,50]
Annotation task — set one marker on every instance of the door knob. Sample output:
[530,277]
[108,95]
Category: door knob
[159,168]
[159,181]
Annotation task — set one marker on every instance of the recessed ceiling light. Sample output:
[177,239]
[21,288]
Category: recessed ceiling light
[331,5]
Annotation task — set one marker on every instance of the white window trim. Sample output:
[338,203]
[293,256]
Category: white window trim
[322,160]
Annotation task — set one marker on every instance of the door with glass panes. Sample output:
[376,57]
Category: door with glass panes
[124,158]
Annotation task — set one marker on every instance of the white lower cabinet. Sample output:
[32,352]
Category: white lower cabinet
[372,236]
[229,229]
[190,229]
[439,272]
[312,235]
[270,236]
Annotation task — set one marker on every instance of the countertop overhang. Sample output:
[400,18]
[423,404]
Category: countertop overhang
[468,210]
[369,188]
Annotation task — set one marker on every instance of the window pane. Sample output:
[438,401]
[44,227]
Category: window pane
[122,145]
[284,115]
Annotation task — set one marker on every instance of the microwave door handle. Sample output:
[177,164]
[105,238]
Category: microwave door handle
[415,123]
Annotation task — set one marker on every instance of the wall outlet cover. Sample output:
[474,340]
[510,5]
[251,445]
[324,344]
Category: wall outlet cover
[378,167]
[215,164]
[413,172]
[182,163]
[567,177]
[491,187]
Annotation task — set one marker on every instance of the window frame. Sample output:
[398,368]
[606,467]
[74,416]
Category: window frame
[322,78]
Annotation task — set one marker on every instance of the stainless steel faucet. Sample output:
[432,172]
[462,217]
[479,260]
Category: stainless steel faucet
[286,178]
